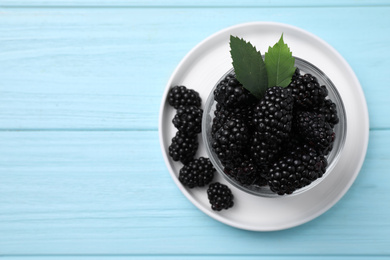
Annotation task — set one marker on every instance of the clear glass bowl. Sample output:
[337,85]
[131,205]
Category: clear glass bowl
[339,129]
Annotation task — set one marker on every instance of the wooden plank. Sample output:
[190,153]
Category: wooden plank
[203,257]
[199,3]
[80,193]
[107,68]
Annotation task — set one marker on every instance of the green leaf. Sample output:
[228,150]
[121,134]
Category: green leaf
[280,64]
[249,66]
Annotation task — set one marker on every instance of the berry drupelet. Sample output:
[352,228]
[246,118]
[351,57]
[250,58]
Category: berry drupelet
[220,196]
[197,173]
[181,96]
[188,120]
[183,147]
[230,93]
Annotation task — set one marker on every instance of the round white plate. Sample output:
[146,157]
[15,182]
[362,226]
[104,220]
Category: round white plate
[207,62]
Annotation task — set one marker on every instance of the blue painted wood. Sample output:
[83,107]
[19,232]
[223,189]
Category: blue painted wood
[96,68]
[79,193]
[203,257]
[81,172]
[190,4]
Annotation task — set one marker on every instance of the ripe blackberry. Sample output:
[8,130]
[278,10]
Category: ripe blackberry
[329,111]
[263,152]
[188,120]
[230,93]
[220,196]
[183,147]
[272,115]
[307,92]
[222,114]
[197,173]
[293,140]
[230,140]
[314,130]
[296,74]
[246,173]
[181,96]
[296,169]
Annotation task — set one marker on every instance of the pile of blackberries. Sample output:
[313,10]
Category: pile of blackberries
[196,172]
[280,140]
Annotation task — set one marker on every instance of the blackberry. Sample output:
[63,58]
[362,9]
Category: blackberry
[272,115]
[188,120]
[315,131]
[293,140]
[329,111]
[183,147]
[296,169]
[230,140]
[181,96]
[307,92]
[230,93]
[222,114]
[220,196]
[263,152]
[246,173]
[197,173]
[296,74]
[238,158]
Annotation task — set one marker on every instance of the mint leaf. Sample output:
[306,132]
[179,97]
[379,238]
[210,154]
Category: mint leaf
[249,66]
[280,64]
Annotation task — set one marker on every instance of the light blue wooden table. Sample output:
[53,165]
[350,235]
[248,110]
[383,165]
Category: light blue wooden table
[81,170]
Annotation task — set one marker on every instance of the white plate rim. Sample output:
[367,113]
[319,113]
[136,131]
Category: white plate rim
[364,134]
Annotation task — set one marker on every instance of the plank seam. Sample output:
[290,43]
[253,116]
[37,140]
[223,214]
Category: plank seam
[194,255]
[12,6]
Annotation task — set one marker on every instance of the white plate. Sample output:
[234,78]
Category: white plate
[207,62]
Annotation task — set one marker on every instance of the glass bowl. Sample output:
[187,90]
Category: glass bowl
[332,157]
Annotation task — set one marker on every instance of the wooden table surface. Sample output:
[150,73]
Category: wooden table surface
[81,170]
